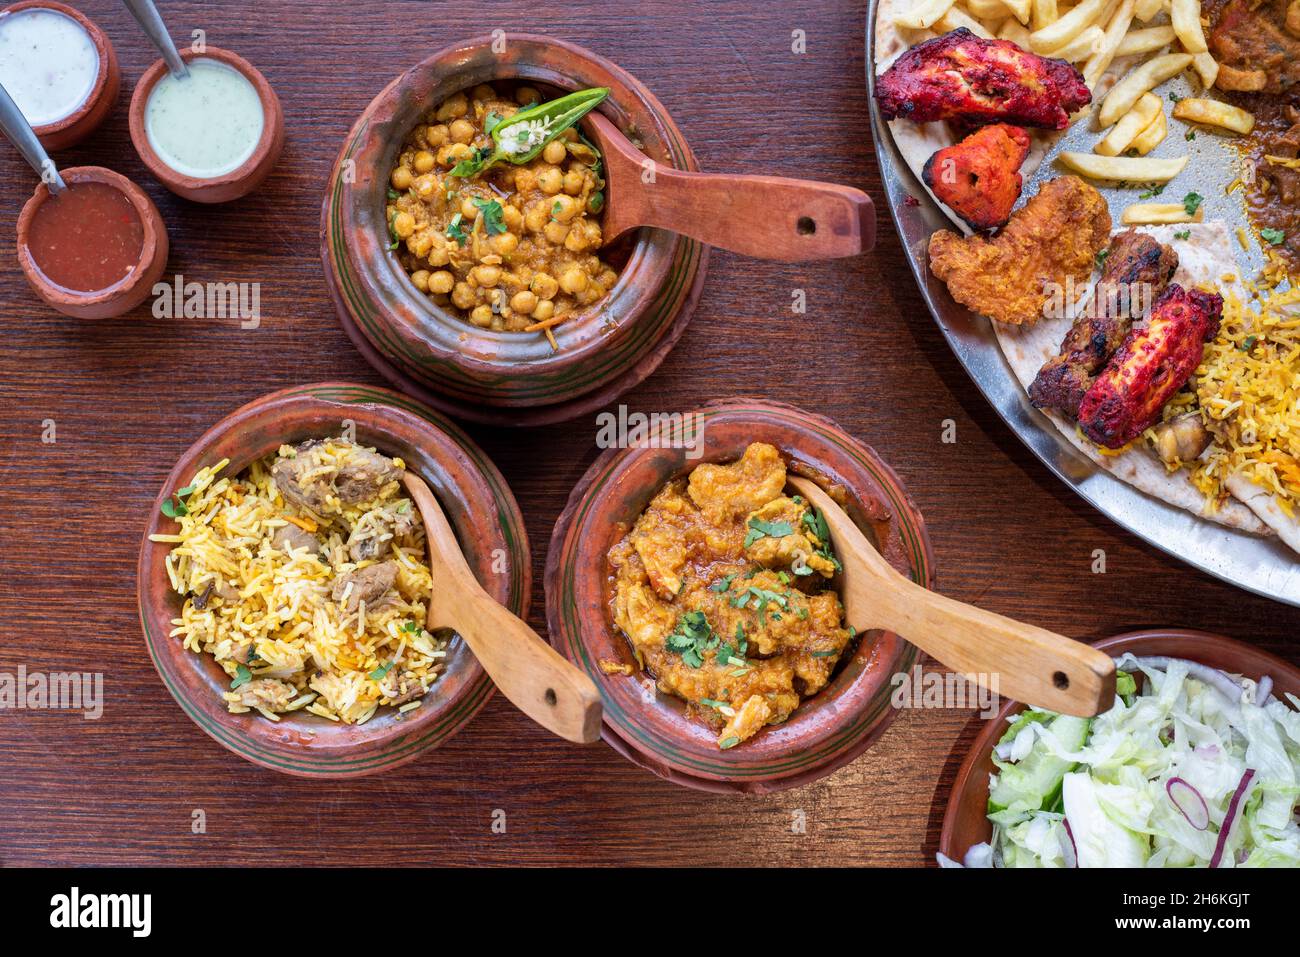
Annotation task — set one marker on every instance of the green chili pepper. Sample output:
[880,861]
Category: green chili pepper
[521,137]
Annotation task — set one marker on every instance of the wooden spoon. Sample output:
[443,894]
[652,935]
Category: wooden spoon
[533,675]
[1038,667]
[766,217]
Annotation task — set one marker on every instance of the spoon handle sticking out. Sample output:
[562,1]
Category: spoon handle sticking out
[19,132]
[766,217]
[530,673]
[151,22]
[1029,664]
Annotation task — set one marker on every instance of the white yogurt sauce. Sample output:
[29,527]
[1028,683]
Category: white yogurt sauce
[207,124]
[48,63]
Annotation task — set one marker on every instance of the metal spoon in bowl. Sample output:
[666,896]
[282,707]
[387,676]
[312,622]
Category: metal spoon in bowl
[1032,665]
[534,676]
[151,21]
[19,132]
[766,217]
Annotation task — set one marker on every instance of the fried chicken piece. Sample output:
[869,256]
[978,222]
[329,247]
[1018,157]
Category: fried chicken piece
[1154,362]
[979,178]
[1053,239]
[1136,271]
[960,76]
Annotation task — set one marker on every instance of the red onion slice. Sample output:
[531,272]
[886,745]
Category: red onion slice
[1231,817]
[1068,850]
[1189,802]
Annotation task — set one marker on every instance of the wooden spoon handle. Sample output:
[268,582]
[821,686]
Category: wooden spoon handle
[1027,663]
[534,676]
[765,217]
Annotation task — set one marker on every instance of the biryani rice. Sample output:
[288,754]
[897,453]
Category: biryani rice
[308,651]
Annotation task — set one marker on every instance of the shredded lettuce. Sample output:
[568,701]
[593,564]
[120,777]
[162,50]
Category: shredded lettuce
[1097,794]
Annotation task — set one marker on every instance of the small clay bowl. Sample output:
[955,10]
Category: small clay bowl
[964,821]
[652,730]
[503,378]
[479,506]
[83,121]
[238,182]
[125,295]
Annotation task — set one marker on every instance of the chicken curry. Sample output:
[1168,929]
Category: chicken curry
[722,589]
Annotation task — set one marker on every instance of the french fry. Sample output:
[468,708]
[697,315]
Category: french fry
[1207,68]
[1185,18]
[1044,13]
[1132,169]
[1132,123]
[1145,41]
[1019,9]
[924,15]
[1152,136]
[1214,113]
[1083,46]
[1146,214]
[1016,32]
[955,19]
[1056,35]
[1116,28]
[1146,10]
[986,9]
[1145,78]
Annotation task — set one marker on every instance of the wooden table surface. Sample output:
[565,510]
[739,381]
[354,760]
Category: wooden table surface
[128,396]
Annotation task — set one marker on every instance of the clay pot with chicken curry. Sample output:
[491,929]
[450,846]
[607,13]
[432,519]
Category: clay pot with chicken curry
[722,587]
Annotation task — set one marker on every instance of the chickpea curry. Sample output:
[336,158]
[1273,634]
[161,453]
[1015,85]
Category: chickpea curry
[721,587]
[511,247]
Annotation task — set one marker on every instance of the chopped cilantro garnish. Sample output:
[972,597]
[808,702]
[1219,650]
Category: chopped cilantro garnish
[1183,234]
[816,523]
[1154,190]
[174,506]
[825,654]
[379,673]
[1192,202]
[723,583]
[692,637]
[726,743]
[242,677]
[1274,237]
[493,216]
[1249,343]
[761,529]
[456,230]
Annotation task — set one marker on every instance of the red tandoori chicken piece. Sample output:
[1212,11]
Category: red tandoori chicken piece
[979,178]
[1153,363]
[1050,241]
[960,76]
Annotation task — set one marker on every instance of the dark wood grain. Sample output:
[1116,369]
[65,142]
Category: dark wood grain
[128,396]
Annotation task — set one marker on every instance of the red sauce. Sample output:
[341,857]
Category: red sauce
[86,239]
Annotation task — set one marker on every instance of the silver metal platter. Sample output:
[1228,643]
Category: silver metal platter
[1260,565]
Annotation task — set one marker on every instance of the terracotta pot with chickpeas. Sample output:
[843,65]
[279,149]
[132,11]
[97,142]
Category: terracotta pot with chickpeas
[514,249]
[489,294]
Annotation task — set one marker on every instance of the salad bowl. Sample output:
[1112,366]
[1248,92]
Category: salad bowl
[965,822]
